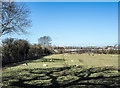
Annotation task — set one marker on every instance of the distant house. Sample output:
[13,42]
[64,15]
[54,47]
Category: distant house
[71,50]
[100,49]
[109,48]
[55,51]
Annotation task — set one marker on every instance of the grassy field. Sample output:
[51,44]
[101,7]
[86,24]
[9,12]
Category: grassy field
[64,71]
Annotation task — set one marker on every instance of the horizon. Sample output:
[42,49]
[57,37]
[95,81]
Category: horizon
[73,23]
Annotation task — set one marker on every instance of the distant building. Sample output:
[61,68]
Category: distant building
[55,51]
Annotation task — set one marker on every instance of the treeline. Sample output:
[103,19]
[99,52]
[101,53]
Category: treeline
[15,50]
[111,51]
[81,50]
[61,51]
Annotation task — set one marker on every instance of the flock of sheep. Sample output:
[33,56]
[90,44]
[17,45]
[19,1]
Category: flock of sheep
[46,65]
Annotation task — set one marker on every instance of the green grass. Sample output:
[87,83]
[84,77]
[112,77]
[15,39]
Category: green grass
[92,71]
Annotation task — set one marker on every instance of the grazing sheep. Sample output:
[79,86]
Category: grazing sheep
[71,60]
[45,65]
[25,64]
[75,65]
[50,60]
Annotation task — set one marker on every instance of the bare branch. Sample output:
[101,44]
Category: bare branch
[14,17]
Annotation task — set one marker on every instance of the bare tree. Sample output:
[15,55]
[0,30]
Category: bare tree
[45,41]
[14,17]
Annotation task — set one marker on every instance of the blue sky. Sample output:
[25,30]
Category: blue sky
[73,23]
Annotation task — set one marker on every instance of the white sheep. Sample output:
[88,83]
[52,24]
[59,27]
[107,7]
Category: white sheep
[25,64]
[50,60]
[76,65]
[71,60]
[45,65]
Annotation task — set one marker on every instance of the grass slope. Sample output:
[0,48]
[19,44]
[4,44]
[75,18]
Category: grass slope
[92,71]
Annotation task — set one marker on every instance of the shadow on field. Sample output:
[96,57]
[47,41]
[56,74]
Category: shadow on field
[65,77]
[48,60]
[22,62]
[41,59]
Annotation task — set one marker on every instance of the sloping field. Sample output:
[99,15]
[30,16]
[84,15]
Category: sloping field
[64,71]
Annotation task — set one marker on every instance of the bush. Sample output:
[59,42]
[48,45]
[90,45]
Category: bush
[15,50]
